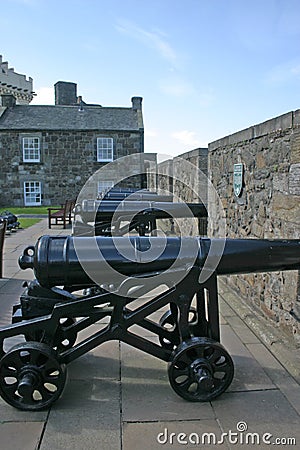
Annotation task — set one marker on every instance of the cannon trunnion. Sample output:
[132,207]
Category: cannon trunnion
[119,283]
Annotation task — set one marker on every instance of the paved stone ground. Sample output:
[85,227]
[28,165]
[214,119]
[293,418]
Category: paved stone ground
[118,398]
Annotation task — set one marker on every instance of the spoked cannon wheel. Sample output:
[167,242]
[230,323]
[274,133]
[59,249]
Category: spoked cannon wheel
[31,378]
[167,321]
[201,370]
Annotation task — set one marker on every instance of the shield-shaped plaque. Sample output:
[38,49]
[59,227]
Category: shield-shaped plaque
[238,179]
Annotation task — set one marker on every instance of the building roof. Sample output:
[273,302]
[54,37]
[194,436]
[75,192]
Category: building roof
[57,117]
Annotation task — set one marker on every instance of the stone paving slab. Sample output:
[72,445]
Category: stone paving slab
[172,435]
[276,372]
[11,286]
[146,392]
[249,374]
[260,412]
[100,363]
[145,400]
[10,414]
[86,417]
[20,435]
[241,329]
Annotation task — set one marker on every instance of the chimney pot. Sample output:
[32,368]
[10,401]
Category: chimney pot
[65,93]
[137,102]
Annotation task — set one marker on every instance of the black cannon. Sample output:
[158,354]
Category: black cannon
[82,280]
[12,222]
[107,217]
[133,194]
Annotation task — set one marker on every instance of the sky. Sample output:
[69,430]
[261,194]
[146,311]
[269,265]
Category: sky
[205,68]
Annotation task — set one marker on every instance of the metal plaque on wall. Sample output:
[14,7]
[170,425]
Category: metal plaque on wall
[238,179]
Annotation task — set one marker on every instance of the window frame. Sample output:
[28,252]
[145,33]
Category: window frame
[30,191]
[35,150]
[108,148]
[109,184]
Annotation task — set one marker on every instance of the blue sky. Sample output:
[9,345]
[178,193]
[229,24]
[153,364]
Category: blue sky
[205,69]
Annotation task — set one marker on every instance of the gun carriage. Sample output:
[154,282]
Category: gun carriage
[121,274]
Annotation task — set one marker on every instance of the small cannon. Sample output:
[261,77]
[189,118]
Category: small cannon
[133,194]
[107,217]
[12,222]
[82,280]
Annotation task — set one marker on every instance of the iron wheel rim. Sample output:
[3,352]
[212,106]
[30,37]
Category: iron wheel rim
[196,355]
[37,362]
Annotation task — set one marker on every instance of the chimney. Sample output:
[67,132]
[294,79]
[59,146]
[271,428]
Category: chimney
[65,93]
[137,102]
[8,100]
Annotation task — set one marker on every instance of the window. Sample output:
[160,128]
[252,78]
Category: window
[31,149]
[32,193]
[104,149]
[104,186]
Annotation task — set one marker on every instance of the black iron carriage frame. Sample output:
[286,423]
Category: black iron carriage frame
[179,298]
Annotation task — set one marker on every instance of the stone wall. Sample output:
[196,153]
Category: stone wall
[267,207]
[68,159]
[185,177]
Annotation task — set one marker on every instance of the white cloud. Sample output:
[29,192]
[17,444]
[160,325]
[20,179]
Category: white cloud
[154,39]
[45,96]
[180,88]
[187,138]
[295,70]
[176,87]
[284,73]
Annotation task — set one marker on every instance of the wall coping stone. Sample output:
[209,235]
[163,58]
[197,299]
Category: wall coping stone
[201,151]
[296,118]
[283,122]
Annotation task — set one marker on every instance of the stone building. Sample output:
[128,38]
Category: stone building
[47,153]
[12,83]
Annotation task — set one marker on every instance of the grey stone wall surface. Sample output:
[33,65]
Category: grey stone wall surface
[68,159]
[184,176]
[268,207]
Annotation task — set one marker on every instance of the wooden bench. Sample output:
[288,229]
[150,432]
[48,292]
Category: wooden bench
[2,236]
[62,215]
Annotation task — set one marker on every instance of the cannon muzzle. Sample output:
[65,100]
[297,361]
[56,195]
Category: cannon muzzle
[254,255]
[63,260]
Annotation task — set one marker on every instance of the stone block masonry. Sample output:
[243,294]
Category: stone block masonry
[185,178]
[68,159]
[267,207]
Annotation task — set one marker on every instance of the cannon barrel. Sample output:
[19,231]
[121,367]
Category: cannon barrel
[109,209]
[55,260]
[119,196]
